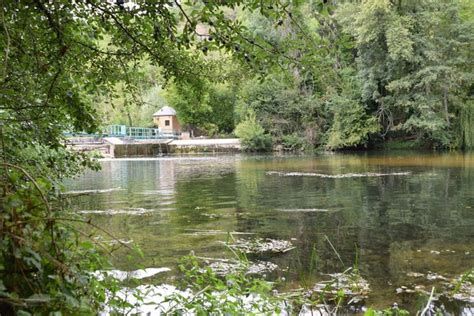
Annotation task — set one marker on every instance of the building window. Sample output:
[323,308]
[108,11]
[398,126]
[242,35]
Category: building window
[167,122]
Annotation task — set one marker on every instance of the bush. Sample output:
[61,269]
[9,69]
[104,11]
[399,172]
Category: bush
[46,264]
[351,125]
[294,142]
[252,135]
[233,294]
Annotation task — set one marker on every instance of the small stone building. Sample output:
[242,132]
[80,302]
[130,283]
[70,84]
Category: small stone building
[167,121]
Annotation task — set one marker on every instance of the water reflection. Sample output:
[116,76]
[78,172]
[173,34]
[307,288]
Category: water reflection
[417,217]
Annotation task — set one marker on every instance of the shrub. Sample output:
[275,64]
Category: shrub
[46,264]
[252,135]
[294,142]
[351,126]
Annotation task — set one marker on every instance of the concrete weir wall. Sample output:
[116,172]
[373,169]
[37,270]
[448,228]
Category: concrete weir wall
[139,150]
[121,149]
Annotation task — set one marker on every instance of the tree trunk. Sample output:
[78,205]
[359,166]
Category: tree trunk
[130,122]
[445,103]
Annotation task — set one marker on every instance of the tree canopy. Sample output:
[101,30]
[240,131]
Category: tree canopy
[399,70]
[330,74]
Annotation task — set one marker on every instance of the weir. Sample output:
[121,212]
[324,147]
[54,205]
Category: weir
[129,147]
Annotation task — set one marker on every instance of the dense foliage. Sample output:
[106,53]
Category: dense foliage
[61,60]
[306,73]
[252,134]
[340,75]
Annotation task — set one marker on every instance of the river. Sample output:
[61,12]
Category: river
[392,214]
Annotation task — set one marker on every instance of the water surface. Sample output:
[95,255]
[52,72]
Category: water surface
[388,213]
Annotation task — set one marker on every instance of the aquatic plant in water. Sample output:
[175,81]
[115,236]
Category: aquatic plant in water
[463,287]
[334,176]
[260,245]
[349,284]
[224,267]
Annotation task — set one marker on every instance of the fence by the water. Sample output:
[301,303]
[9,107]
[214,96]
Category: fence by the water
[123,131]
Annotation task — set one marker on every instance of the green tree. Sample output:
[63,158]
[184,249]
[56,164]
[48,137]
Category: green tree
[350,123]
[60,58]
[413,62]
[252,134]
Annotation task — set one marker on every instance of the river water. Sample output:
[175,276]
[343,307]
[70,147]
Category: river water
[391,214]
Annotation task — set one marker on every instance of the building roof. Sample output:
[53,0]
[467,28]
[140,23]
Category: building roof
[165,111]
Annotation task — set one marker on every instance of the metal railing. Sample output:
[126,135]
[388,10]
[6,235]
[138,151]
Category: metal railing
[123,131]
[137,132]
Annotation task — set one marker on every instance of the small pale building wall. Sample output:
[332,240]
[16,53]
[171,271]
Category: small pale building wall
[173,126]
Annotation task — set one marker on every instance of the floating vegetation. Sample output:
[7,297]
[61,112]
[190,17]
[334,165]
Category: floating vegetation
[114,241]
[406,290]
[127,211]
[431,276]
[136,274]
[348,283]
[415,274]
[334,176]
[460,288]
[261,267]
[216,215]
[85,192]
[210,232]
[211,215]
[228,266]
[303,210]
[260,245]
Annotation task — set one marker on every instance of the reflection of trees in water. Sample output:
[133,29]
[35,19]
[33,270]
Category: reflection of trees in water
[389,218]
[385,216]
[408,214]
